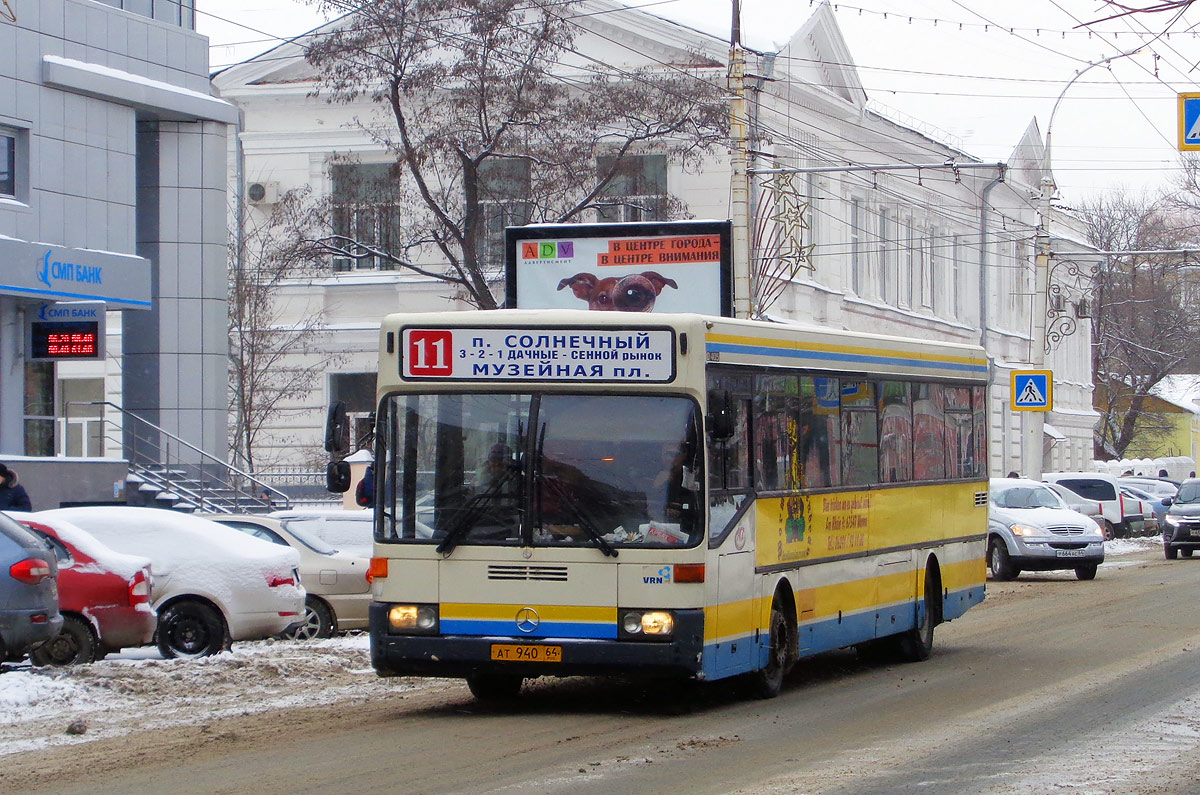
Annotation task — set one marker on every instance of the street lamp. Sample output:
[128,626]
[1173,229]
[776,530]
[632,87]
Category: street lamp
[1033,422]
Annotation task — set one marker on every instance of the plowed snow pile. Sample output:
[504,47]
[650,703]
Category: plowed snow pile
[120,695]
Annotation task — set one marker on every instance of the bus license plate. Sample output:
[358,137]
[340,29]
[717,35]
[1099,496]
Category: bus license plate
[516,652]
[1071,553]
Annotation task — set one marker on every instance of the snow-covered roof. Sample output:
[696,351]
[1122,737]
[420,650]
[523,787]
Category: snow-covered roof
[1182,390]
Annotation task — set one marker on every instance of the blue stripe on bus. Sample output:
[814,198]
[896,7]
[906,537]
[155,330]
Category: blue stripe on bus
[547,629]
[755,350]
[741,655]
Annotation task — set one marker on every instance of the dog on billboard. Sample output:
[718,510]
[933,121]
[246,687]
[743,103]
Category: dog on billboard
[633,293]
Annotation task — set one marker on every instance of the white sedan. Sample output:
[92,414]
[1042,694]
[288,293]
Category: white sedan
[339,594]
[212,584]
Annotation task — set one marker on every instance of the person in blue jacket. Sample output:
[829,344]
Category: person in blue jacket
[12,494]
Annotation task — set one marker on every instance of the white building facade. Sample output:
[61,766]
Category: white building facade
[893,240]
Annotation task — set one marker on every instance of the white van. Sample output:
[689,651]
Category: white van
[1102,488]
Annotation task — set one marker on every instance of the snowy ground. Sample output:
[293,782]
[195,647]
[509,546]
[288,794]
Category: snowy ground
[139,690]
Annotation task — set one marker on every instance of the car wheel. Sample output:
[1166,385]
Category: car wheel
[768,680]
[1187,553]
[1170,551]
[999,563]
[494,687]
[1106,527]
[318,621]
[190,629]
[74,645]
[1085,572]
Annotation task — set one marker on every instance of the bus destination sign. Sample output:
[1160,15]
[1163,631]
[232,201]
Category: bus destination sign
[513,354]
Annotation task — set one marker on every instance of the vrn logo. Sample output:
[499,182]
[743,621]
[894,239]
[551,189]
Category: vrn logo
[660,577]
[67,271]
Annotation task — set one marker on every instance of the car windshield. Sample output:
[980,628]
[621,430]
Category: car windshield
[1025,497]
[540,470]
[1189,491]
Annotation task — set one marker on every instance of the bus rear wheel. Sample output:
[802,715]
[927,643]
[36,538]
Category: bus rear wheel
[768,680]
[494,687]
[916,644]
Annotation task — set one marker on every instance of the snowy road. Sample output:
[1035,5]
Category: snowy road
[1015,699]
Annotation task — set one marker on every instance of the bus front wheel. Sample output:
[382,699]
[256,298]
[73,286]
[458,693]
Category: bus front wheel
[494,687]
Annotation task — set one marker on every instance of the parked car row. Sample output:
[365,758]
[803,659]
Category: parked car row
[84,582]
[1062,522]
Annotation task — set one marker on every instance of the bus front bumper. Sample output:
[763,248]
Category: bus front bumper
[463,655]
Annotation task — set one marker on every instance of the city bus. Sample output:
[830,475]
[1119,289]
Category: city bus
[572,492]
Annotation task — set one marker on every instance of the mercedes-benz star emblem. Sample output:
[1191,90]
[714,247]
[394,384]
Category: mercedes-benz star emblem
[527,619]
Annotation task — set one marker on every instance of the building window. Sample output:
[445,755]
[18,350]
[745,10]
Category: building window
[887,258]
[8,163]
[357,392]
[856,254]
[636,192]
[503,186]
[956,278]
[910,264]
[929,278]
[366,211]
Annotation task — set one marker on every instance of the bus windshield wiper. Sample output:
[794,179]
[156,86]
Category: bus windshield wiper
[471,513]
[585,521]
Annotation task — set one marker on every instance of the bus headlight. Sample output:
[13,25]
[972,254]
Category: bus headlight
[413,619]
[647,624]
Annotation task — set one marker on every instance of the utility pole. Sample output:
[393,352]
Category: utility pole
[1033,422]
[739,163]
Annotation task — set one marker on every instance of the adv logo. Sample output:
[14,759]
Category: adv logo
[67,272]
[652,576]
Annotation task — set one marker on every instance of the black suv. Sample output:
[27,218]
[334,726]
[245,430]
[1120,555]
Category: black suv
[1181,525]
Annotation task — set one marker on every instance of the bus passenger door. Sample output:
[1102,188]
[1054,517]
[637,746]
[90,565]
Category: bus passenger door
[895,588]
[734,616]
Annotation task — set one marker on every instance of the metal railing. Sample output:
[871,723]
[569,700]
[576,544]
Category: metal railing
[185,474]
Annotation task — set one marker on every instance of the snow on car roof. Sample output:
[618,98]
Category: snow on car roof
[119,563]
[169,538]
[346,531]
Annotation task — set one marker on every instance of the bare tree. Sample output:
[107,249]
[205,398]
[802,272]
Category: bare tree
[267,362]
[1144,323]
[488,128]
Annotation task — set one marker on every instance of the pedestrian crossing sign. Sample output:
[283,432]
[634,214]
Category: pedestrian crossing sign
[1189,122]
[1032,390]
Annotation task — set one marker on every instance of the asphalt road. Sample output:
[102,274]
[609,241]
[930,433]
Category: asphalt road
[1051,684]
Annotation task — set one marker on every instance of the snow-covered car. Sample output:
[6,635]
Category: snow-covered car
[336,582]
[1030,528]
[28,591]
[103,595]
[1117,519]
[352,532]
[212,584]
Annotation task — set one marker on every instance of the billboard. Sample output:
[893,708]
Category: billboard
[664,266]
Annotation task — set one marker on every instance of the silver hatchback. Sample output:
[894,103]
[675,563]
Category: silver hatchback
[1030,528]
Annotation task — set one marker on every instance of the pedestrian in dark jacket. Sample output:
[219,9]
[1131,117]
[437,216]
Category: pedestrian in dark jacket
[12,494]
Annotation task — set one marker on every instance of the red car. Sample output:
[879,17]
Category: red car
[104,596]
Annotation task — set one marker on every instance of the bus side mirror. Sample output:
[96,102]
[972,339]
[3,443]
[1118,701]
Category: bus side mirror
[337,430]
[720,415]
[337,477]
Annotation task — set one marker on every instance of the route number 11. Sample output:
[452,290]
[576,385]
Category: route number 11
[429,353]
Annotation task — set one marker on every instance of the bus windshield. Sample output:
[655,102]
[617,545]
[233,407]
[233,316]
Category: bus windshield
[540,469]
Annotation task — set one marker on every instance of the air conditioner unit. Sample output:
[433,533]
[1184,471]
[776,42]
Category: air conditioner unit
[262,192]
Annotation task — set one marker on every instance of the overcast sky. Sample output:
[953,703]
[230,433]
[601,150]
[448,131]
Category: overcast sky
[978,70]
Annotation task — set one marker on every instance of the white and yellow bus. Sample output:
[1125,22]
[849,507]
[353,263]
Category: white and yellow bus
[572,492]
